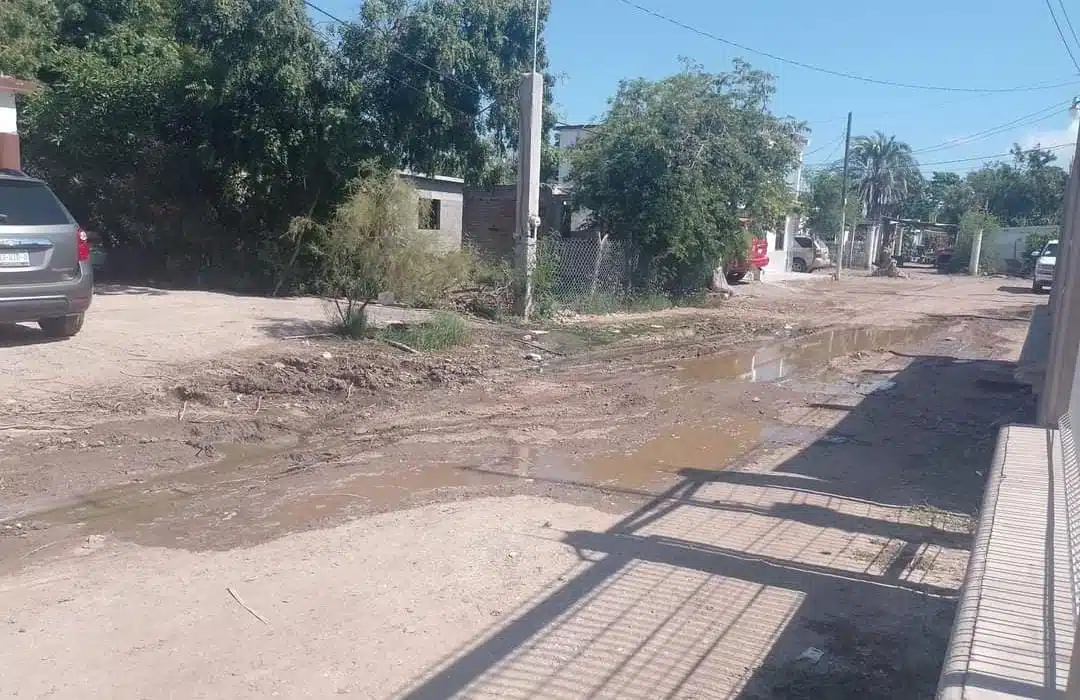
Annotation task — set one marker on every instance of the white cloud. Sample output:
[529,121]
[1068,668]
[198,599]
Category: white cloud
[1052,137]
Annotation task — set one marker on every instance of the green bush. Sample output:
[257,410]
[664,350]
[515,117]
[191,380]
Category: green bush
[1034,242]
[371,245]
[989,260]
[545,299]
[352,323]
[444,330]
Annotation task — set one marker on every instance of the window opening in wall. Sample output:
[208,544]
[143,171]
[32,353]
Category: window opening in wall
[430,214]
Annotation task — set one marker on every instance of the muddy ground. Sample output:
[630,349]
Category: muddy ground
[673,504]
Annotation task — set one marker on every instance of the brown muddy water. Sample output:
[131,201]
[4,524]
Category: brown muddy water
[807,354]
[266,491]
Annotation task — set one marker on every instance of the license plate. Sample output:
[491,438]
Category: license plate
[20,258]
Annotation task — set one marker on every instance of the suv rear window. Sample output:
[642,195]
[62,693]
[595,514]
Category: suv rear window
[29,204]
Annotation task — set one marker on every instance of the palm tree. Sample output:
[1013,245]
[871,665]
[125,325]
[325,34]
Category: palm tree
[884,172]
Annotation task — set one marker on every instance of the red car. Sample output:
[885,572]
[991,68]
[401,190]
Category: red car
[758,257]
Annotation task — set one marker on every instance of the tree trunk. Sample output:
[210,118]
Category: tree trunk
[719,281]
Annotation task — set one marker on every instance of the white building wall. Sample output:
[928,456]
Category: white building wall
[1009,243]
[569,136]
[7,113]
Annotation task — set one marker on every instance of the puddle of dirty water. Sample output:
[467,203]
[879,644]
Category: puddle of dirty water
[707,447]
[254,492]
[779,360]
[158,497]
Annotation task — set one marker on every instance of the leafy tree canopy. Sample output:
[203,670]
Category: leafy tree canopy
[679,164]
[821,204]
[195,130]
[1028,191]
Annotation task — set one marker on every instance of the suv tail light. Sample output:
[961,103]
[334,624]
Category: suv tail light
[83,242]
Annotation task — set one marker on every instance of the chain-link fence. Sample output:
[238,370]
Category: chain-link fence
[580,268]
[854,254]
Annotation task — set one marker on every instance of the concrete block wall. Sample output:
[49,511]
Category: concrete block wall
[489,220]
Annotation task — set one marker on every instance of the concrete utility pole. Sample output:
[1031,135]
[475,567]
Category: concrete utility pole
[527,219]
[976,252]
[976,247]
[843,201]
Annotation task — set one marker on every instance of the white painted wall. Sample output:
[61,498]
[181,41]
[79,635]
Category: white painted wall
[568,138]
[7,113]
[1009,243]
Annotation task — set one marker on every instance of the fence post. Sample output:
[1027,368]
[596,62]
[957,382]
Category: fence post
[601,242]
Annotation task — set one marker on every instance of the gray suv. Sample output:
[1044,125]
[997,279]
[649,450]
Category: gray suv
[45,270]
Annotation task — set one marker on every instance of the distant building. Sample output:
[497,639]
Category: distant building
[566,137]
[440,206]
[9,131]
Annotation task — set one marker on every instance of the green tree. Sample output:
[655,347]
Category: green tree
[884,172]
[678,165]
[193,131]
[28,30]
[436,81]
[821,204]
[1029,191]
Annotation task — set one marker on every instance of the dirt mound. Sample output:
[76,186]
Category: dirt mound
[349,372]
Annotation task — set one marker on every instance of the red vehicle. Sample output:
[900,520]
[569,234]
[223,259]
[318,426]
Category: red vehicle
[757,257]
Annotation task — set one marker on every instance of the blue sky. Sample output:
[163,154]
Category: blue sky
[972,43]
[593,44]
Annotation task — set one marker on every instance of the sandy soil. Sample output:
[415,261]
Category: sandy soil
[655,516]
[132,331]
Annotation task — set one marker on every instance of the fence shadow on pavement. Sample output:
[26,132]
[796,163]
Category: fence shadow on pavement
[729,583]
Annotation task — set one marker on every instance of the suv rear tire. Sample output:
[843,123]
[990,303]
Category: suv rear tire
[61,326]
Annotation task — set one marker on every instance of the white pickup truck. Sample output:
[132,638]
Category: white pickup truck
[1045,260]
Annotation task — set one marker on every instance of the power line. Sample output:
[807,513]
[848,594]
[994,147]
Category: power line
[829,71]
[399,52]
[1068,21]
[822,148]
[1033,118]
[836,148]
[992,156]
[1000,155]
[1064,41]
[889,113]
[402,81]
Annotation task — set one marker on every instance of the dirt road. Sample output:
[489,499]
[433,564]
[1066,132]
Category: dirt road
[133,331]
[658,517]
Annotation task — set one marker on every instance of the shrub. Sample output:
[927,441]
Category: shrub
[444,330]
[1033,242]
[371,245]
